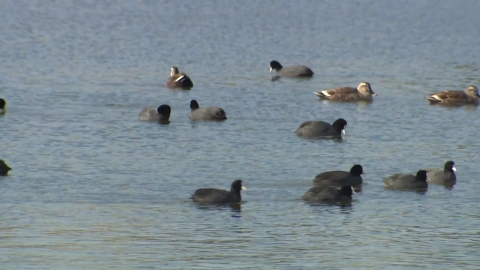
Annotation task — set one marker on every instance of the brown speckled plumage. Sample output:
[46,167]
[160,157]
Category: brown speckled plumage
[348,94]
[456,97]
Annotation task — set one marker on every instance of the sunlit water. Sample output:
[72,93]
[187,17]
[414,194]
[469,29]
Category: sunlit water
[93,188]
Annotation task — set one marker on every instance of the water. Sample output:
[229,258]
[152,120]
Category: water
[93,188]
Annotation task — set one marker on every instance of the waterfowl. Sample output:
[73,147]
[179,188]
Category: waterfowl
[206,113]
[161,113]
[3,105]
[348,94]
[322,129]
[455,97]
[291,71]
[179,80]
[214,196]
[407,181]
[445,176]
[341,178]
[4,168]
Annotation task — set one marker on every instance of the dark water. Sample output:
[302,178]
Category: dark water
[93,188]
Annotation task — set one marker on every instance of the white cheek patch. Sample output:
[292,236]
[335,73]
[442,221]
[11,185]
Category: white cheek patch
[180,78]
[326,93]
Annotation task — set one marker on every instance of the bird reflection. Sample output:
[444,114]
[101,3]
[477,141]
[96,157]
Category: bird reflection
[236,208]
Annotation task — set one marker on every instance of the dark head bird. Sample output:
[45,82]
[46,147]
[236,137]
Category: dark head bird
[4,168]
[161,114]
[291,71]
[341,178]
[322,129]
[445,176]
[407,181]
[206,113]
[214,196]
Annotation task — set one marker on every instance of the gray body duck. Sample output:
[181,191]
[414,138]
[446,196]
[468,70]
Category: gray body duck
[322,129]
[291,71]
[206,113]
[407,181]
[341,178]
[160,114]
[218,196]
[445,176]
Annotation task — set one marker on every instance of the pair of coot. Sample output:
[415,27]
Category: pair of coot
[445,176]
[326,184]
[162,113]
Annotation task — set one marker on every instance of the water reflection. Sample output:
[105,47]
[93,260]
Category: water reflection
[342,204]
[234,207]
[421,191]
[330,138]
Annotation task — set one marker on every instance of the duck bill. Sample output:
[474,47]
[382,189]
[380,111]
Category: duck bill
[344,132]
[374,94]
[353,191]
[271,69]
[454,169]
[244,188]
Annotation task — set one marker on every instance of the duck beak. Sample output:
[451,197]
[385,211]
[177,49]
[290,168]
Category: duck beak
[344,132]
[454,169]
[374,94]
[243,187]
[271,69]
[353,191]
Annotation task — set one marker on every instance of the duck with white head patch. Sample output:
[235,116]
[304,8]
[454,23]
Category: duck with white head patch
[445,176]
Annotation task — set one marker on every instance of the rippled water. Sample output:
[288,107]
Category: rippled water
[93,188]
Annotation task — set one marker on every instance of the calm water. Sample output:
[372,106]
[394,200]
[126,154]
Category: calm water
[93,188]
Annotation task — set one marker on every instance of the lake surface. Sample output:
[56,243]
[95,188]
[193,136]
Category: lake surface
[93,188]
